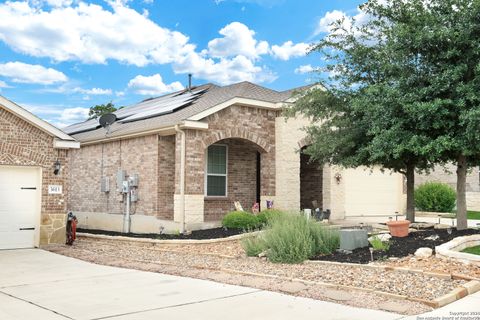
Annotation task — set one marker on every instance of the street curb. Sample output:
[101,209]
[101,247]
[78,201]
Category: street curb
[173,241]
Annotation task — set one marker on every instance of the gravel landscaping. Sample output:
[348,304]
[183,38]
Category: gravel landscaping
[224,262]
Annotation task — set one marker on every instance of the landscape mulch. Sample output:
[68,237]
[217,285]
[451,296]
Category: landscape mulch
[399,247]
[215,233]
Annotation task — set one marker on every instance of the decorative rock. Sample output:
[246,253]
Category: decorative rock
[394,307]
[337,295]
[384,237]
[292,287]
[433,237]
[423,252]
[422,225]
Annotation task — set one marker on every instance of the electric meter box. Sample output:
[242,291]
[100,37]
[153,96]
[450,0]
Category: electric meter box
[125,187]
[134,195]
[134,180]
[120,178]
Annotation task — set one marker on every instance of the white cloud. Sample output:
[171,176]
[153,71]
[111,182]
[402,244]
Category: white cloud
[225,71]
[93,91]
[324,24]
[31,73]
[152,85]
[304,69]
[88,33]
[289,50]
[59,3]
[237,39]
[3,84]
[59,115]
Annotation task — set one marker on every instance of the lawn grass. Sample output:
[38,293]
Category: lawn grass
[473,215]
[472,250]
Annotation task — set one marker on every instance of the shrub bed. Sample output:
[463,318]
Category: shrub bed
[291,238]
[435,196]
[240,220]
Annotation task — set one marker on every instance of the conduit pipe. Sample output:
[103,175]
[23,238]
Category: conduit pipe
[182,178]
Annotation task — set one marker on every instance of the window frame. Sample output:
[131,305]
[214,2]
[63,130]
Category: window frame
[216,174]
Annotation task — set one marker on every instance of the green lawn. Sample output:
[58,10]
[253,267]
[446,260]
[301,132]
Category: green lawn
[472,250]
[473,215]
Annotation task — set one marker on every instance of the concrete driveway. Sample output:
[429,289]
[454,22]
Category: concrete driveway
[36,284]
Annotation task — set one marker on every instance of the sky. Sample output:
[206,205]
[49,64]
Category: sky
[60,57]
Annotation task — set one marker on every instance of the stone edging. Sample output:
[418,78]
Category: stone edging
[452,248]
[472,286]
[163,241]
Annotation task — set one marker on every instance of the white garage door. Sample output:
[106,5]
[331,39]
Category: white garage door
[19,206]
[372,193]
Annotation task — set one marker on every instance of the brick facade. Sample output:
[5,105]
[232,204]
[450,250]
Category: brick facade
[241,178]
[22,144]
[91,162]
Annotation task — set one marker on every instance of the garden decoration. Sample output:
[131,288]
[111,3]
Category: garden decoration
[398,228]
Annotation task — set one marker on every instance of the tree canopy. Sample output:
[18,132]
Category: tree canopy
[402,88]
[101,109]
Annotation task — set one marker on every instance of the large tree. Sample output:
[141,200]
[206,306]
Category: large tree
[366,115]
[405,90]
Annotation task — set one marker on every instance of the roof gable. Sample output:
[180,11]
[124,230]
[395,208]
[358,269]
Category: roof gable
[33,120]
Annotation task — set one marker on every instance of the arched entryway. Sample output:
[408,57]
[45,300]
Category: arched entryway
[311,182]
[233,172]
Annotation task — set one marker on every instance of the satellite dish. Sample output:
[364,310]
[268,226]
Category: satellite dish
[107,120]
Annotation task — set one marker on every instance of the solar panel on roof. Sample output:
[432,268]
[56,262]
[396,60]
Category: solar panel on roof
[146,109]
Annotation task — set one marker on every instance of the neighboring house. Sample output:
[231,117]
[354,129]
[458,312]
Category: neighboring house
[32,199]
[197,151]
[447,174]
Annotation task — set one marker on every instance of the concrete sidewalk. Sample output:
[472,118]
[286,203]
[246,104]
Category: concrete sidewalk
[35,284]
[467,308]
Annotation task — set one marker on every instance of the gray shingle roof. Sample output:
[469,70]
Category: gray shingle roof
[213,96]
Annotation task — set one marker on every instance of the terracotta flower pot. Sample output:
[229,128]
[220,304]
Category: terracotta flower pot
[398,228]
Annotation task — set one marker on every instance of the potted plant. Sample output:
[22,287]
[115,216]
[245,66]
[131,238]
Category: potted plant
[398,228]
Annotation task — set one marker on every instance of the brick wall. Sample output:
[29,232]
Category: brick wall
[91,162]
[241,177]
[257,126]
[22,144]
[166,177]
[448,175]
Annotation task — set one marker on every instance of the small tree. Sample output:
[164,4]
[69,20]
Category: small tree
[101,109]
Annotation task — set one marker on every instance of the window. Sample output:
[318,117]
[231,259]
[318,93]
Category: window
[216,171]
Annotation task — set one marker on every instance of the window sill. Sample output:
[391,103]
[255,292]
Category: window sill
[215,198]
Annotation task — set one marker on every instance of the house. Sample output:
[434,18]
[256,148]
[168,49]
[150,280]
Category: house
[193,153]
[34,173]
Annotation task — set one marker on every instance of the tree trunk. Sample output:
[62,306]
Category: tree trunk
[410,174]
[461,196]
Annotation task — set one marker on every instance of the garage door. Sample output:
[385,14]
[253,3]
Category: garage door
[372,193]
[19,206]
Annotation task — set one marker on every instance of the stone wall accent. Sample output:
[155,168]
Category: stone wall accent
[290,138]
[22,144]
[91,162]
[333,192]
[241,180]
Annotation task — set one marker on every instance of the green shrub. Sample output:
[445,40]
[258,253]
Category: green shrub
[267,215]
[240,220]
[435,196]
[291,238]
[253,246]
[379,245]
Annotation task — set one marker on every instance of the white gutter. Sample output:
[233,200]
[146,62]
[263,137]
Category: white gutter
[182,179]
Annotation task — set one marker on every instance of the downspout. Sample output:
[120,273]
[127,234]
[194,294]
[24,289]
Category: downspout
[182,179]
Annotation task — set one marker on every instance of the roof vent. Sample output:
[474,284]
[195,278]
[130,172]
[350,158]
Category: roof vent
[189,82]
